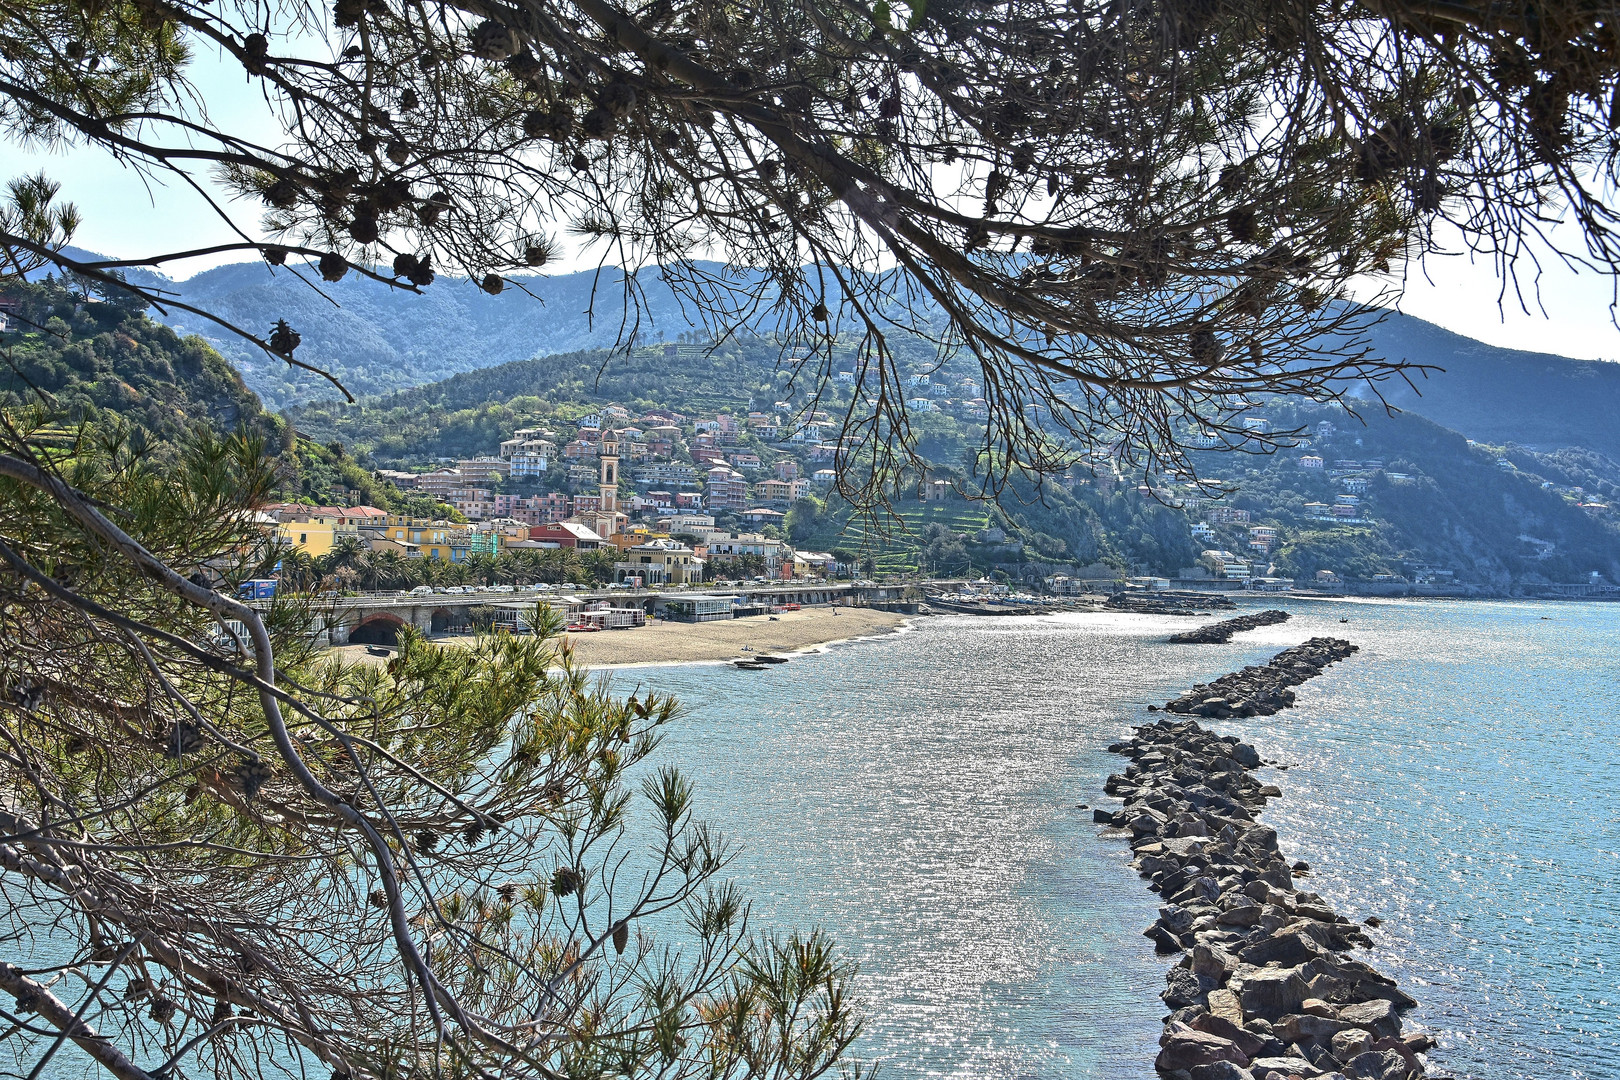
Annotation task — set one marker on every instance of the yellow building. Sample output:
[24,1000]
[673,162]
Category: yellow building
[428,539]
[316,533]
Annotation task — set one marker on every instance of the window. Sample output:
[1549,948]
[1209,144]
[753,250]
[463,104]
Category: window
[303,538]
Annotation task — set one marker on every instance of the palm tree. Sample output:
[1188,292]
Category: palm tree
[392,570]
[298,570]
[346,552]
[481,567]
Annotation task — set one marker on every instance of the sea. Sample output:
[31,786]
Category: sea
[925,796]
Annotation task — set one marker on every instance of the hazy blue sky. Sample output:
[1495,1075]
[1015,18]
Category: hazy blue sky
[126,216]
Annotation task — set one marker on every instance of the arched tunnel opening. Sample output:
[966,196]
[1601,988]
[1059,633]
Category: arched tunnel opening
[375,631]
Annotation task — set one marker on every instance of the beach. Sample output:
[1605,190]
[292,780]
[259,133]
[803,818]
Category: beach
[664,642]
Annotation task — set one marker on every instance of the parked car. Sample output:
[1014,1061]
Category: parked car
[421,590]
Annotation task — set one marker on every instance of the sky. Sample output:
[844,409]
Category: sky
[1563,312]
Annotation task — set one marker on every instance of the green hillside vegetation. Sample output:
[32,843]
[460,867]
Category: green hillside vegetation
[88,360]
[106,365]
[1085,527]
[1459,511]
[472,412]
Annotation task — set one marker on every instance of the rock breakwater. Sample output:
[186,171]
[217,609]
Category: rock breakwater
[1266,988]
[1262,689]
[1220,633]
[1166,603]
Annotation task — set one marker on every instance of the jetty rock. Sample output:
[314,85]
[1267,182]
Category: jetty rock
[1266,983]
[1166,603]
[1221,632]
[1264,689]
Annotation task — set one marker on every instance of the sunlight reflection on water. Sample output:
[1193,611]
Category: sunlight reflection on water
[917,795]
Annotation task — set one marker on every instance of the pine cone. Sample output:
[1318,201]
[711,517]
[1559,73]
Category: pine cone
[621,936]
[1203,346]
[426,841]
[183,738]
[536,255]
[598,123]
[333,267]
[162,1010]
[493,41]
[274,255]
[283,195]
[397,152]
[422,276]
[1241,223]
[284,339]
[378,899]
[618,98]
[364,230]
[390,195]
[527,70]
[405,264]
[251,776]
[348,12]
[566,881]
[255,48]
[408,100]
[492,284]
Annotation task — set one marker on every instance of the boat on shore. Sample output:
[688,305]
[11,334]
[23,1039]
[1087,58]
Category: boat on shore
[767,658]
[750,665]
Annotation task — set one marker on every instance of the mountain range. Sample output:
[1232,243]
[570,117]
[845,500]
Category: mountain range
[378,339]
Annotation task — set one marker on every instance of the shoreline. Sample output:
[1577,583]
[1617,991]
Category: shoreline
[668,642]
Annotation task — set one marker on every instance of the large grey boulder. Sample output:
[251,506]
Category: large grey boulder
[1377,1065]
[1185,988]
[1220,1070]
[1272,993]
[1244,1039]
[1290,949]
[1189,1049]
[1350,1043]
[1377,1017]
[1305,1029]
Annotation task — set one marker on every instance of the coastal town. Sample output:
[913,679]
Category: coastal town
[654,497]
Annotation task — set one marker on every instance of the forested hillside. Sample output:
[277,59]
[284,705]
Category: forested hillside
[1435,501]
[107,364]
[98,361]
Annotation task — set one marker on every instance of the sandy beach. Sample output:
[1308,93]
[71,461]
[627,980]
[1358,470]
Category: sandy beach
[676,642]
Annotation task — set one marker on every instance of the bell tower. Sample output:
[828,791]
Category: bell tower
[610,472]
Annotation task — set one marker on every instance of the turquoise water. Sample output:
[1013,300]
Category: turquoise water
[918,796]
